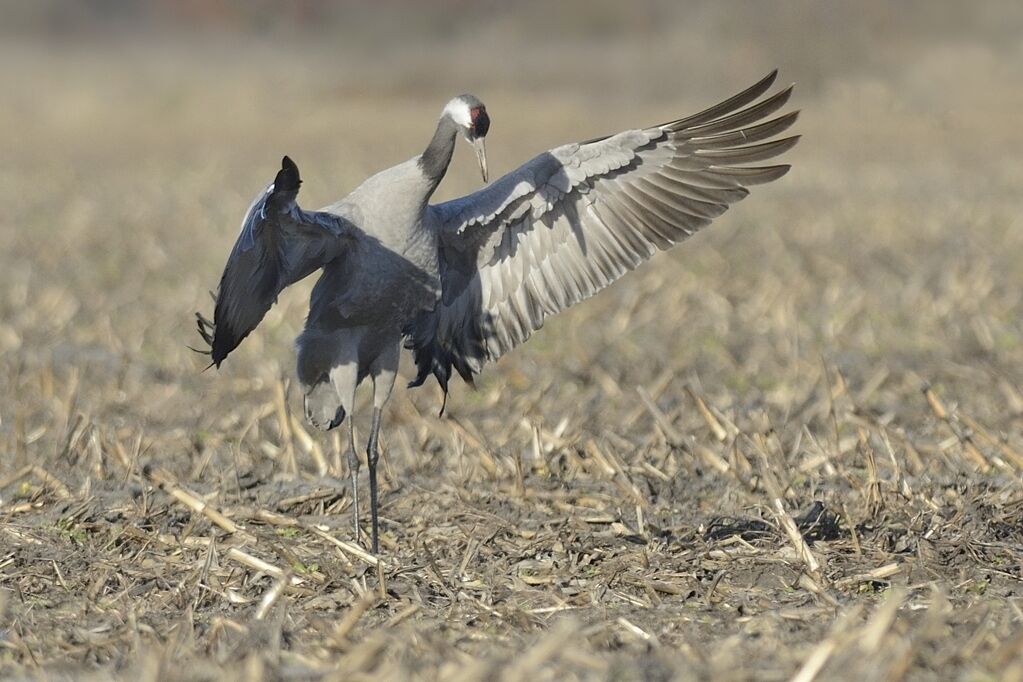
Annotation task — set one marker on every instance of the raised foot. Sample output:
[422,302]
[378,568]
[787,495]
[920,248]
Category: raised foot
[321,408]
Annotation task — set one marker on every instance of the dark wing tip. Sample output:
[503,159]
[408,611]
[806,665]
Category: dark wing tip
[223,344]
[732,104]
[219,343]
[288,178]
[203,352]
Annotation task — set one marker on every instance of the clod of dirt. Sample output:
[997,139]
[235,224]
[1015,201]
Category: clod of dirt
[817,523]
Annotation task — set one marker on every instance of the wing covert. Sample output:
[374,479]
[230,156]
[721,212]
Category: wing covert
[279,244]
[576,218]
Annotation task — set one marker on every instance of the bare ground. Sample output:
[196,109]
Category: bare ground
[790,449]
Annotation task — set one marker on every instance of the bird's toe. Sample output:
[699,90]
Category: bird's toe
[322,410]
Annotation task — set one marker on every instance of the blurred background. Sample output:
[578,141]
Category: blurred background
[134,134]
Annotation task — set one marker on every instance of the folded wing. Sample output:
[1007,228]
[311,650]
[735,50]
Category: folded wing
[576,218]
[279,244]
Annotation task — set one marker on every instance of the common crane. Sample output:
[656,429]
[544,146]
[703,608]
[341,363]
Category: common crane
[465,281]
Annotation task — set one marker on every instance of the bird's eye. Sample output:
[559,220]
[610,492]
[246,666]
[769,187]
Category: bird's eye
[480,122]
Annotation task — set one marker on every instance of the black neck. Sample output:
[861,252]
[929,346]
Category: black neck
[437,156]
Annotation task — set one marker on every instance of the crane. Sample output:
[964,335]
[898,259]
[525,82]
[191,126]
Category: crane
[462,282]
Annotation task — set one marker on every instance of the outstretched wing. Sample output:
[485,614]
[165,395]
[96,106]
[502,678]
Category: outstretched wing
[279,244]
[574,219]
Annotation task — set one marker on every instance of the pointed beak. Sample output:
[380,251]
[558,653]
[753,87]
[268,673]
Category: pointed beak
[481,156]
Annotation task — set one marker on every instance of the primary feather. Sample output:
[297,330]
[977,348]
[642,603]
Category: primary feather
[576,218]
[279,244]
[468,280]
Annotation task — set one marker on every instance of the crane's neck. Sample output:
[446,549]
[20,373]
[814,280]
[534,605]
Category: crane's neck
[434,161]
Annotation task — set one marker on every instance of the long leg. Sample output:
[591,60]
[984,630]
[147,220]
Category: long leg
[383,372]
[344,378]
[372,455]
[328,400]
[353,468]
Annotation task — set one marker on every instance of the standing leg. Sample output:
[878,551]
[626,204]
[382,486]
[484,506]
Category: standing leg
[344,378]
[353,468]
[372,456]
[325,408]
[384,371]
[330,399]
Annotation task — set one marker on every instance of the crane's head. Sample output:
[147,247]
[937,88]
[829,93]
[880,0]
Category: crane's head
[470,115]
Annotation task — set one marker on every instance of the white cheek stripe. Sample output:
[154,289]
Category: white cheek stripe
[459,112]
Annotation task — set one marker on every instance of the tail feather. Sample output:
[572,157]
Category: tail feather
[433,357]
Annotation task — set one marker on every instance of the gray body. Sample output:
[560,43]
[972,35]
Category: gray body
[365,298]
[465,281]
